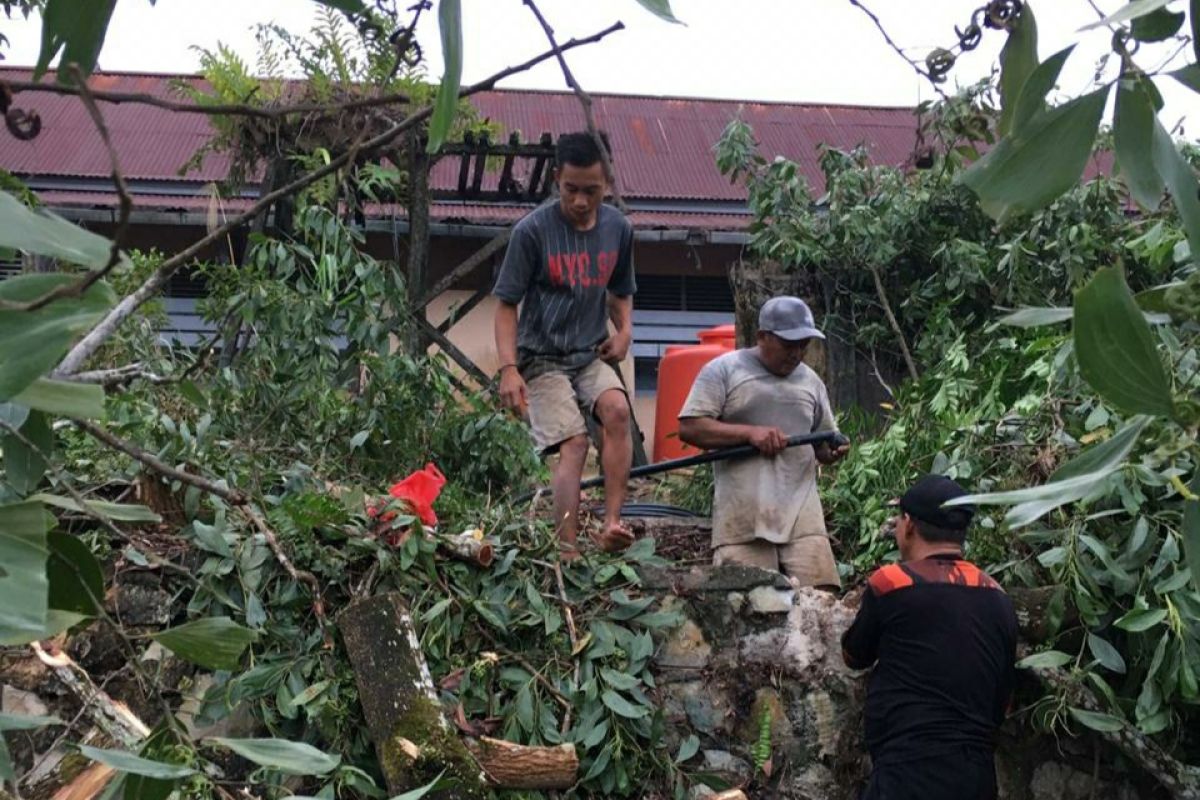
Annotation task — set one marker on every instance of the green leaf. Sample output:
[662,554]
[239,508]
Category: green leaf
[1105,456]
[1075,480]
[1018,60]
[1115,348]
[1189,76]
[1190,531]
[118,512]
[1097,721]
[135,765]
[14,415]
[26,722]
[1047,659]
[1154,299]
[24,588]
[64,398]
[1032,100]
[446,105]
[78,31]
[660,9]
[1031,167]
[1138,8]
[1133,133]
[39,232]
[212,642]
[76,579]
[349,6]
[417,794]
[24,466]
[1177,173]
[290,758]
[619,680]
[1157,25]
[1194,16]
[687,748]
[212,537]
[1106,654]
[1141,619]
[32,342]
[1033,317]
[621,706]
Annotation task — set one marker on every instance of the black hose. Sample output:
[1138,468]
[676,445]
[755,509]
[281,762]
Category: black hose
[723,454]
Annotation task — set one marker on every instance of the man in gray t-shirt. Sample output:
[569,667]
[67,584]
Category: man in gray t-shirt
[569,266]
[766,511]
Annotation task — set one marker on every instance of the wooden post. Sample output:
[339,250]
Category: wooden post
[418,228]
[412,737]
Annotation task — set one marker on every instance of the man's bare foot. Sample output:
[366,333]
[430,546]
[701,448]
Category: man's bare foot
[613,537]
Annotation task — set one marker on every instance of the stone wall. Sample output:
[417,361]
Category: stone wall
[753,648]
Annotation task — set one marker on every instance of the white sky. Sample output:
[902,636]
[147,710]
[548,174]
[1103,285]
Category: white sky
[823,51]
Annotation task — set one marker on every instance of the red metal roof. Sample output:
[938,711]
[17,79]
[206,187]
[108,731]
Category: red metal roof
[662,146]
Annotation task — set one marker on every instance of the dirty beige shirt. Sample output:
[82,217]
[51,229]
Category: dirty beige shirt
[774,499]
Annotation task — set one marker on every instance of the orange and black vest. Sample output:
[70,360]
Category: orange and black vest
[942,637]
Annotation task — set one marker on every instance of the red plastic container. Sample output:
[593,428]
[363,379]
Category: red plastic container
[677,372]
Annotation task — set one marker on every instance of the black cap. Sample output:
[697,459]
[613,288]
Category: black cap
[923,501]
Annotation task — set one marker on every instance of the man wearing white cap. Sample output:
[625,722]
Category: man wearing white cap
[766,511]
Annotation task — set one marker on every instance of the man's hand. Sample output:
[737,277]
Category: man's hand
[829,455]
[616,347]
[514,394]
[769,441]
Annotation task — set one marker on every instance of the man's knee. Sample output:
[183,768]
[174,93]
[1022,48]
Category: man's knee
[612,409]
[574,449]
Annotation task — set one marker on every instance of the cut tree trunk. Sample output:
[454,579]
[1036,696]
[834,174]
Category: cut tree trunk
[412,737]
[469,546]
[518,766]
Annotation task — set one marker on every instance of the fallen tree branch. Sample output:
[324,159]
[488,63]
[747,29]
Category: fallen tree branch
[518,766]
[1181,780]
[115,719]
[90,343]
[231,496]
[118,376]
[585,100]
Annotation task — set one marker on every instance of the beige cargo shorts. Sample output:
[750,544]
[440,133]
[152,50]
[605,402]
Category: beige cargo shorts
[556,400]
[807,559]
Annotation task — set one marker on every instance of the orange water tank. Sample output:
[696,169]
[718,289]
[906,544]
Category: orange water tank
[676,372]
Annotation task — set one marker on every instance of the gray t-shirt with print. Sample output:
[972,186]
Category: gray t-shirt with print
[561,277]
[774,499]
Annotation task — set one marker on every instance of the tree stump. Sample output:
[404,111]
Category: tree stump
[412,737]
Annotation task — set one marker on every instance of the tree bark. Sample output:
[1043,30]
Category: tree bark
[418,229]
[401,704]
[891,318]
[1181,780]
[518,766]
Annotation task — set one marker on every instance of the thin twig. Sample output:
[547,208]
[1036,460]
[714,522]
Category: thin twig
[899,50]
[298,575]
[574,634]
[231,496]
[90,343]
[891,318]
[585,100]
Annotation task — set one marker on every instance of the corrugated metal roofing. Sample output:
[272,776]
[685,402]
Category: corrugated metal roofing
[439,211]
[662,146]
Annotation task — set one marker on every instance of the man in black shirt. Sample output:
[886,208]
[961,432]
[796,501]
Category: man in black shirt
[942,636]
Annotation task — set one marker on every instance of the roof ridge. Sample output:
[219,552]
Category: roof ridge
[563,92]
